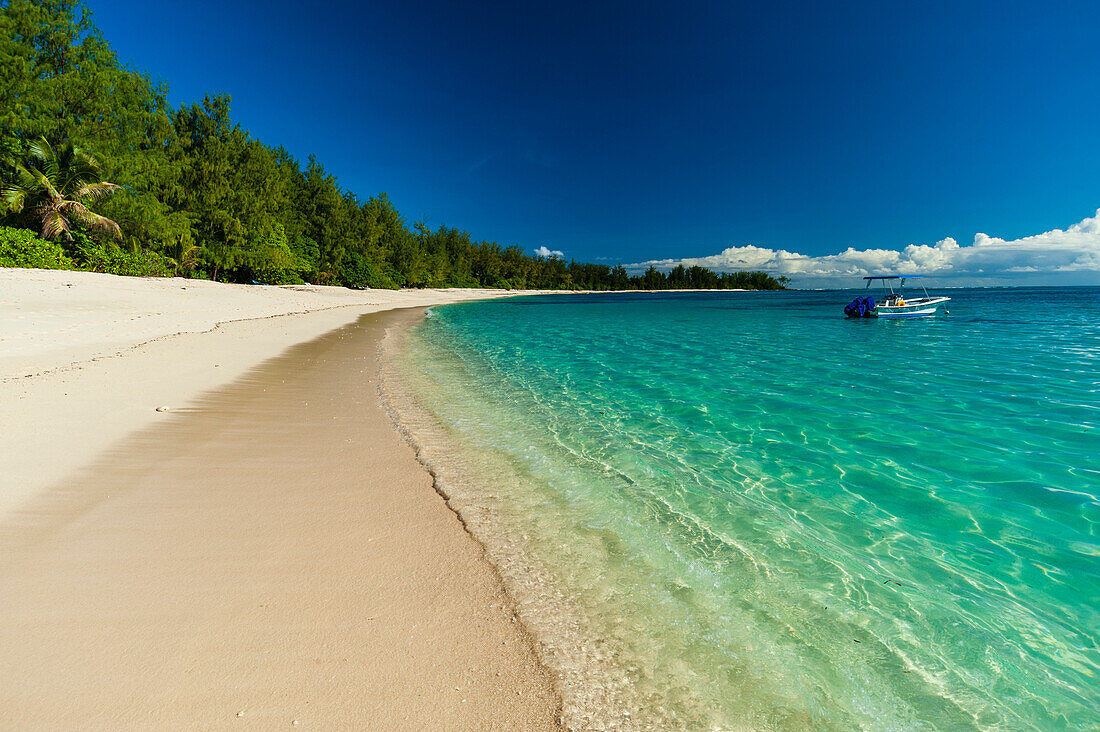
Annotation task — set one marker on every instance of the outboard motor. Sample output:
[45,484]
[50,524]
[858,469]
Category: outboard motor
[861,307]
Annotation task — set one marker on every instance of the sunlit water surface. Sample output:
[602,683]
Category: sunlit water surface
[741,510]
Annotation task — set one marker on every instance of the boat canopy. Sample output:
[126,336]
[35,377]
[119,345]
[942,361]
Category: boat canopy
[895,277]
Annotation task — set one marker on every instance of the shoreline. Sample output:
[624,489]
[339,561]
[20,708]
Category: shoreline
[594,689]
[219,566]
[87,358]
[85,445]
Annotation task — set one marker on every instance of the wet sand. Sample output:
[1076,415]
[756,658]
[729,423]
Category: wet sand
[86,358]
[273,554]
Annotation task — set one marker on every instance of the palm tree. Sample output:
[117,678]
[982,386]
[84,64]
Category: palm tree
[55,187]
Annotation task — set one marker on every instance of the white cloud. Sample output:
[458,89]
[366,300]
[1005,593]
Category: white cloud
[545,251]
[1055,253]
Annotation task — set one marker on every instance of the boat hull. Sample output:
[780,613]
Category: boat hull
[918,308]
[903,312]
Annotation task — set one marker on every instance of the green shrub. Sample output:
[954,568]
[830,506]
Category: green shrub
[130,264]
[362,272]
[21,248]
[110,259]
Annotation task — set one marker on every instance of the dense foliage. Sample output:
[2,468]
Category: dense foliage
[199,196]
[21,248]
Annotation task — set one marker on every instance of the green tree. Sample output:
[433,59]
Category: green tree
[61,80]
[200,196]
[653,279]
[53,188]
[268,256]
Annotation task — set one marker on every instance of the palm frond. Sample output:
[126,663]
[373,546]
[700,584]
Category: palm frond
[86,157]
[46,157]
[95,191]
[40,150]
[44,183]
[24,179]
[54,224]
[12,198]
[92,220]
[79,167]
[187,257]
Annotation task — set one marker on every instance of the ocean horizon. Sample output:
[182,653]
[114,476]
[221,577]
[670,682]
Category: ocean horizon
[743,510]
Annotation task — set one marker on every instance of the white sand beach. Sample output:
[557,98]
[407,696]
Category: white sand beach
[86,358]
[265,551]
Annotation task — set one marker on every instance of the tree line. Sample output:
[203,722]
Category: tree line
[192,193]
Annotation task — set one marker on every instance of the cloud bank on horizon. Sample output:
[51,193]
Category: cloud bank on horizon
[1053,257]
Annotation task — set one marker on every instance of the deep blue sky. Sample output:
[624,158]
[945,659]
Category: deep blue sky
[637,130]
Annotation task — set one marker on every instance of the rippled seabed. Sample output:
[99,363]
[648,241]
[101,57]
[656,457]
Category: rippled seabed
[769,516]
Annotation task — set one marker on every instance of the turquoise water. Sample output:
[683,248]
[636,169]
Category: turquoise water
[752,512]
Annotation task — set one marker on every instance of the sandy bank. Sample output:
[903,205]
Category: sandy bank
[268,552]
[86,358]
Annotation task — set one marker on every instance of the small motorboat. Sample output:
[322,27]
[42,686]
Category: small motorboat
[894,304]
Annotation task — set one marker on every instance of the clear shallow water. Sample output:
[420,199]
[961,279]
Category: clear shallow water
[748,511]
